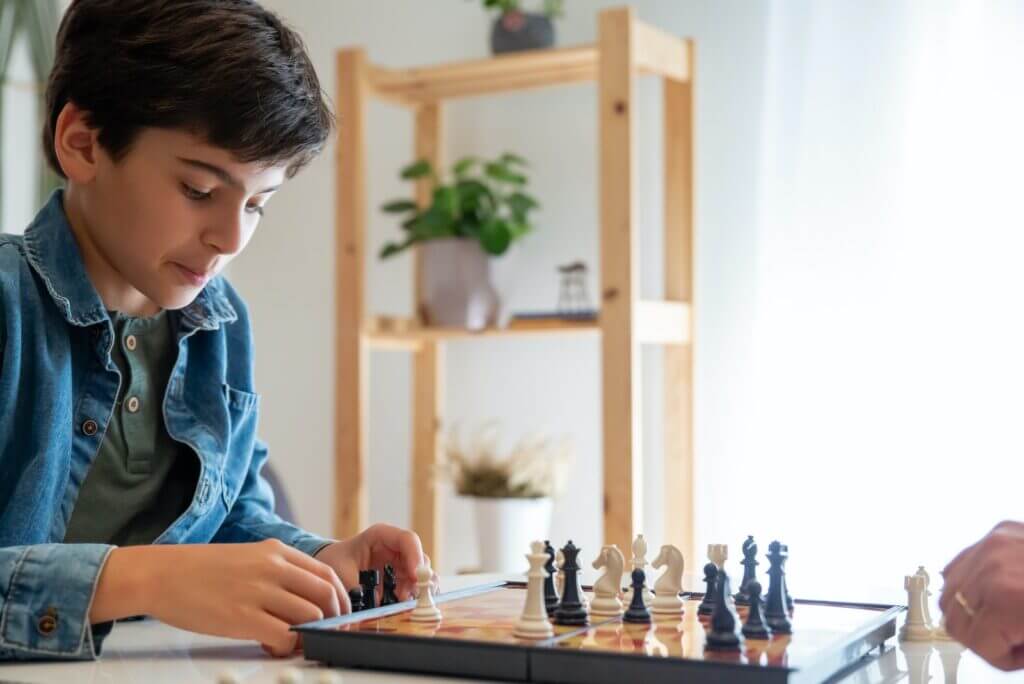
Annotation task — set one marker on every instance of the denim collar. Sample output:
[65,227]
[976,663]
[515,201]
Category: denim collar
[52,251]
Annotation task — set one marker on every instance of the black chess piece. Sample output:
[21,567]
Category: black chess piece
[724,634]
[550,590]
[388,595]
[637,611]
[570,609]
[789,597]
[754,627]
[776,613]
[369,580]
[742,597]
[706,606]
[355,595]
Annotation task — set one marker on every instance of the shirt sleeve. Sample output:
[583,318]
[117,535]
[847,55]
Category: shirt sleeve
[46,593]
[252,517]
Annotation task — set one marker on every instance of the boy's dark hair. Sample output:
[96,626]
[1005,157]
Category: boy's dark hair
[227,70]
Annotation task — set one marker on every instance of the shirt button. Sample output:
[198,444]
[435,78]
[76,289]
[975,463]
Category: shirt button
[133,404]
[47,623]
[90,427]
[130,342]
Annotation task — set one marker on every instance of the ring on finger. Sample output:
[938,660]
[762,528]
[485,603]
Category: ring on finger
[959,598]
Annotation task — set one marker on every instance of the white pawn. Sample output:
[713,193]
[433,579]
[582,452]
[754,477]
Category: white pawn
[533,623]
[228,677]
[640,563]
[918,656]
[915,628]
[670,584]
[328,677]
[607,587]
[290,676]
[425,610]
[950,653]
[560,577]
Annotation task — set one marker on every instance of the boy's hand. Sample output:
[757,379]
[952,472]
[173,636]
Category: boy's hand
[245,591]
[375,547]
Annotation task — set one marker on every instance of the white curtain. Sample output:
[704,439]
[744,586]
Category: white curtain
[880,421]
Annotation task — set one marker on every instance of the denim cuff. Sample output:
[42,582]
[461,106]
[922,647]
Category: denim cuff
[50,589]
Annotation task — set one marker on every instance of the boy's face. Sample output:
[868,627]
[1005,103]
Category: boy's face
[173,212]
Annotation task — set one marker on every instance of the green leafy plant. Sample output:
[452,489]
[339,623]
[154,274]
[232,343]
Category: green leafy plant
[552,9]
[483,200]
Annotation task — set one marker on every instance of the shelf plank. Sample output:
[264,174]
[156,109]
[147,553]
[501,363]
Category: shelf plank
[406,334]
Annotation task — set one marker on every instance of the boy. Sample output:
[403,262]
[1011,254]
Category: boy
[129,467]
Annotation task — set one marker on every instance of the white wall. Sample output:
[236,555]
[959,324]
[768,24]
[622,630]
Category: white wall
[550,385]
[21,152]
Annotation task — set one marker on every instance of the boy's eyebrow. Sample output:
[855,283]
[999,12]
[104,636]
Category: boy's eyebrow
[222,174]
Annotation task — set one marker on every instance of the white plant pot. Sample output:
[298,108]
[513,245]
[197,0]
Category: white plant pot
[457,289]
[505,528]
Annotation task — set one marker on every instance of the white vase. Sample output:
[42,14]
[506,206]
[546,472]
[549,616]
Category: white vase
[505,528]
[457,290]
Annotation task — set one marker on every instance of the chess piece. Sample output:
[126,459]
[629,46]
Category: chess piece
[724,634]
[425,610]
[918,656]
[789,598]
[570,610]
[706,606]
[742,597]
[950,653]
[560,579]
[229,677]
[533,623]
[637,611]
[718,554]
[355,596]
[369,580]
[670,584]
[921,572]
[776,612]
[915,628]
[551,594]
[640,563]
[606,588]
[754,627]
[388,595]
[328,677]
[290,676]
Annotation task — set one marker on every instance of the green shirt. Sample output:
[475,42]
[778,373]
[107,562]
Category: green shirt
[141,480]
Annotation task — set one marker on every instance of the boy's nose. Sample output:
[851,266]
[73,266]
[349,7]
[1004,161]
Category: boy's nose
[227,237]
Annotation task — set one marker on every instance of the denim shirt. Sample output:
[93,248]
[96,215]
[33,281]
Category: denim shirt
[58,385]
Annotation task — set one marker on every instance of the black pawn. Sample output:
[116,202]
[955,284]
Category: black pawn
[707,604]
[369,580]
[637,611]
[724,634]
[754,627]
[789,597]
[570,609]
[550,590]
[356,597]
[388,595]
[776,613]
[742,597]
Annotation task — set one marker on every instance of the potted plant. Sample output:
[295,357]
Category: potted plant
[511,495]
[479,211]
[515,29]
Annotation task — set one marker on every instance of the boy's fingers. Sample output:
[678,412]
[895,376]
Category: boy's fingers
[274,635]
[291,609]
[324,572]
[404,544]
[314,589]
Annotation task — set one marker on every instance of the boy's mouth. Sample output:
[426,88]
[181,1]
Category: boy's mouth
[194,278]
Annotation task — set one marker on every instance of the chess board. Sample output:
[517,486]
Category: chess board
[475,639]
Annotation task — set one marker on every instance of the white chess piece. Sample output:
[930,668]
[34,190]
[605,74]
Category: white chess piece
[918,655]
[915,628]
[940,633]
[228,677]
[607,587]
[425,610]
[921,572]
[560,577]
[533,623]
[670,584]
[949,655]
[640,563]
[328,677]
[290,676]
[718,554]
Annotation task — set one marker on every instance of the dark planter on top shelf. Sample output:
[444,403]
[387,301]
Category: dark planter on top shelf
[517,31]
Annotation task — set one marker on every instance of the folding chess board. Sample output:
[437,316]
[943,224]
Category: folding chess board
[475,639]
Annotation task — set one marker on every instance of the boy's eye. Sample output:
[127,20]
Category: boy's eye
[194,194]
[255,209]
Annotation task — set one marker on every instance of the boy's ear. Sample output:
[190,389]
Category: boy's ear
[76,144]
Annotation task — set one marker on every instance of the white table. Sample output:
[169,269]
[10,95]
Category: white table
[155,653]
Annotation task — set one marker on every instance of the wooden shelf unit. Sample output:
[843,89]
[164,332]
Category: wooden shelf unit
[626,48]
